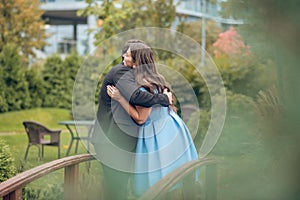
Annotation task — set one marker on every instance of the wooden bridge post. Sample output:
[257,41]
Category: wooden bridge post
[14,195]
[11,189]
[211,182]
[71,182]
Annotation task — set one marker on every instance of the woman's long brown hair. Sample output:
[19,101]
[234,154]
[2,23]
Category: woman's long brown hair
[146,73]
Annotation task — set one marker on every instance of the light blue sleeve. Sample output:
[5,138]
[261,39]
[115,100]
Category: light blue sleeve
[142,89]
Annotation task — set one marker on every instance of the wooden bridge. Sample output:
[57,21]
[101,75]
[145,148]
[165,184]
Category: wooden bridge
[11,189]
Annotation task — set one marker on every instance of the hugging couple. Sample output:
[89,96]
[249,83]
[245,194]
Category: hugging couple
[138,137]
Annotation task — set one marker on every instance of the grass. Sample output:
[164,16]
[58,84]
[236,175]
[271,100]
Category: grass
[53,181]
[18,143]
[89,182]
[12,121]
[13,133]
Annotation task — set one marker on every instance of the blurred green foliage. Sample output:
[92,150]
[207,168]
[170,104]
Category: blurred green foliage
[271,169]
[131,14]
[193,30]
[14,87]
[59,76]
[49,85]
[7,169]
[259,142]
[12,121]
[22,24]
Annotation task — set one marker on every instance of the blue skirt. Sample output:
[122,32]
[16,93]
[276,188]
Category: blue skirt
[164,144]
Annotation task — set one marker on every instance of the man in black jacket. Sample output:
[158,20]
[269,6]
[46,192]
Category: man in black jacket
[115,133]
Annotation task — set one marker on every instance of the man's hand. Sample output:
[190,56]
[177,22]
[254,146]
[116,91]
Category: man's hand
[169,94]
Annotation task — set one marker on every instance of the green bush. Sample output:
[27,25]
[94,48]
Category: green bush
[7,169]
[50,85]
[238,135]
[86,91]
[201,128]
[13,85]
[36,88]
[59,76]
[54,79]
[47,193]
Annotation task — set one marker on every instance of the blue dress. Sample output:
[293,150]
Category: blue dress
[164,144]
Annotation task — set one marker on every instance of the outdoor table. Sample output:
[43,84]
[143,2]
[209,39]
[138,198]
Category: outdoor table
[74,132]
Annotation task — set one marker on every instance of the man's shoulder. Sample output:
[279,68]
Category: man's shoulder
[120,70]
[119,67]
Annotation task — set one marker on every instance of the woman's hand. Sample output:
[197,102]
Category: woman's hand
[113,92]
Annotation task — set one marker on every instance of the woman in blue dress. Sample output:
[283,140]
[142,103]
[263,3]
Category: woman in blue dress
[164,142]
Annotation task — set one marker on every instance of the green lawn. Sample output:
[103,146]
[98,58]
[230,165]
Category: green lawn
[13,132]
[12,121]
[18,143]
[53,182]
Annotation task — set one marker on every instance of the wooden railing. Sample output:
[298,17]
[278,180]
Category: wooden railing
[11,189]
[162,187]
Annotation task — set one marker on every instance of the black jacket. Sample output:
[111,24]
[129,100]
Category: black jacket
[112,119]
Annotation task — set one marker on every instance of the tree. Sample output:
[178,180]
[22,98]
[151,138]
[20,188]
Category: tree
[3,103]
[36,87]
[59,76]
[193,29]
[160,13]
[131,14]
[55,78]
[239,65]
[21,23]
[272,30]
[15,87]
[231,44]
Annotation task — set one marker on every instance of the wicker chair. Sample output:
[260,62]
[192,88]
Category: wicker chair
[36,132]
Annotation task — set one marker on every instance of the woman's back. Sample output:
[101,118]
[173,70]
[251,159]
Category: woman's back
[164,144]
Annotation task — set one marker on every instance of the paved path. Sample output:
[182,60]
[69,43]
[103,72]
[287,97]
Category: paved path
[11,133]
